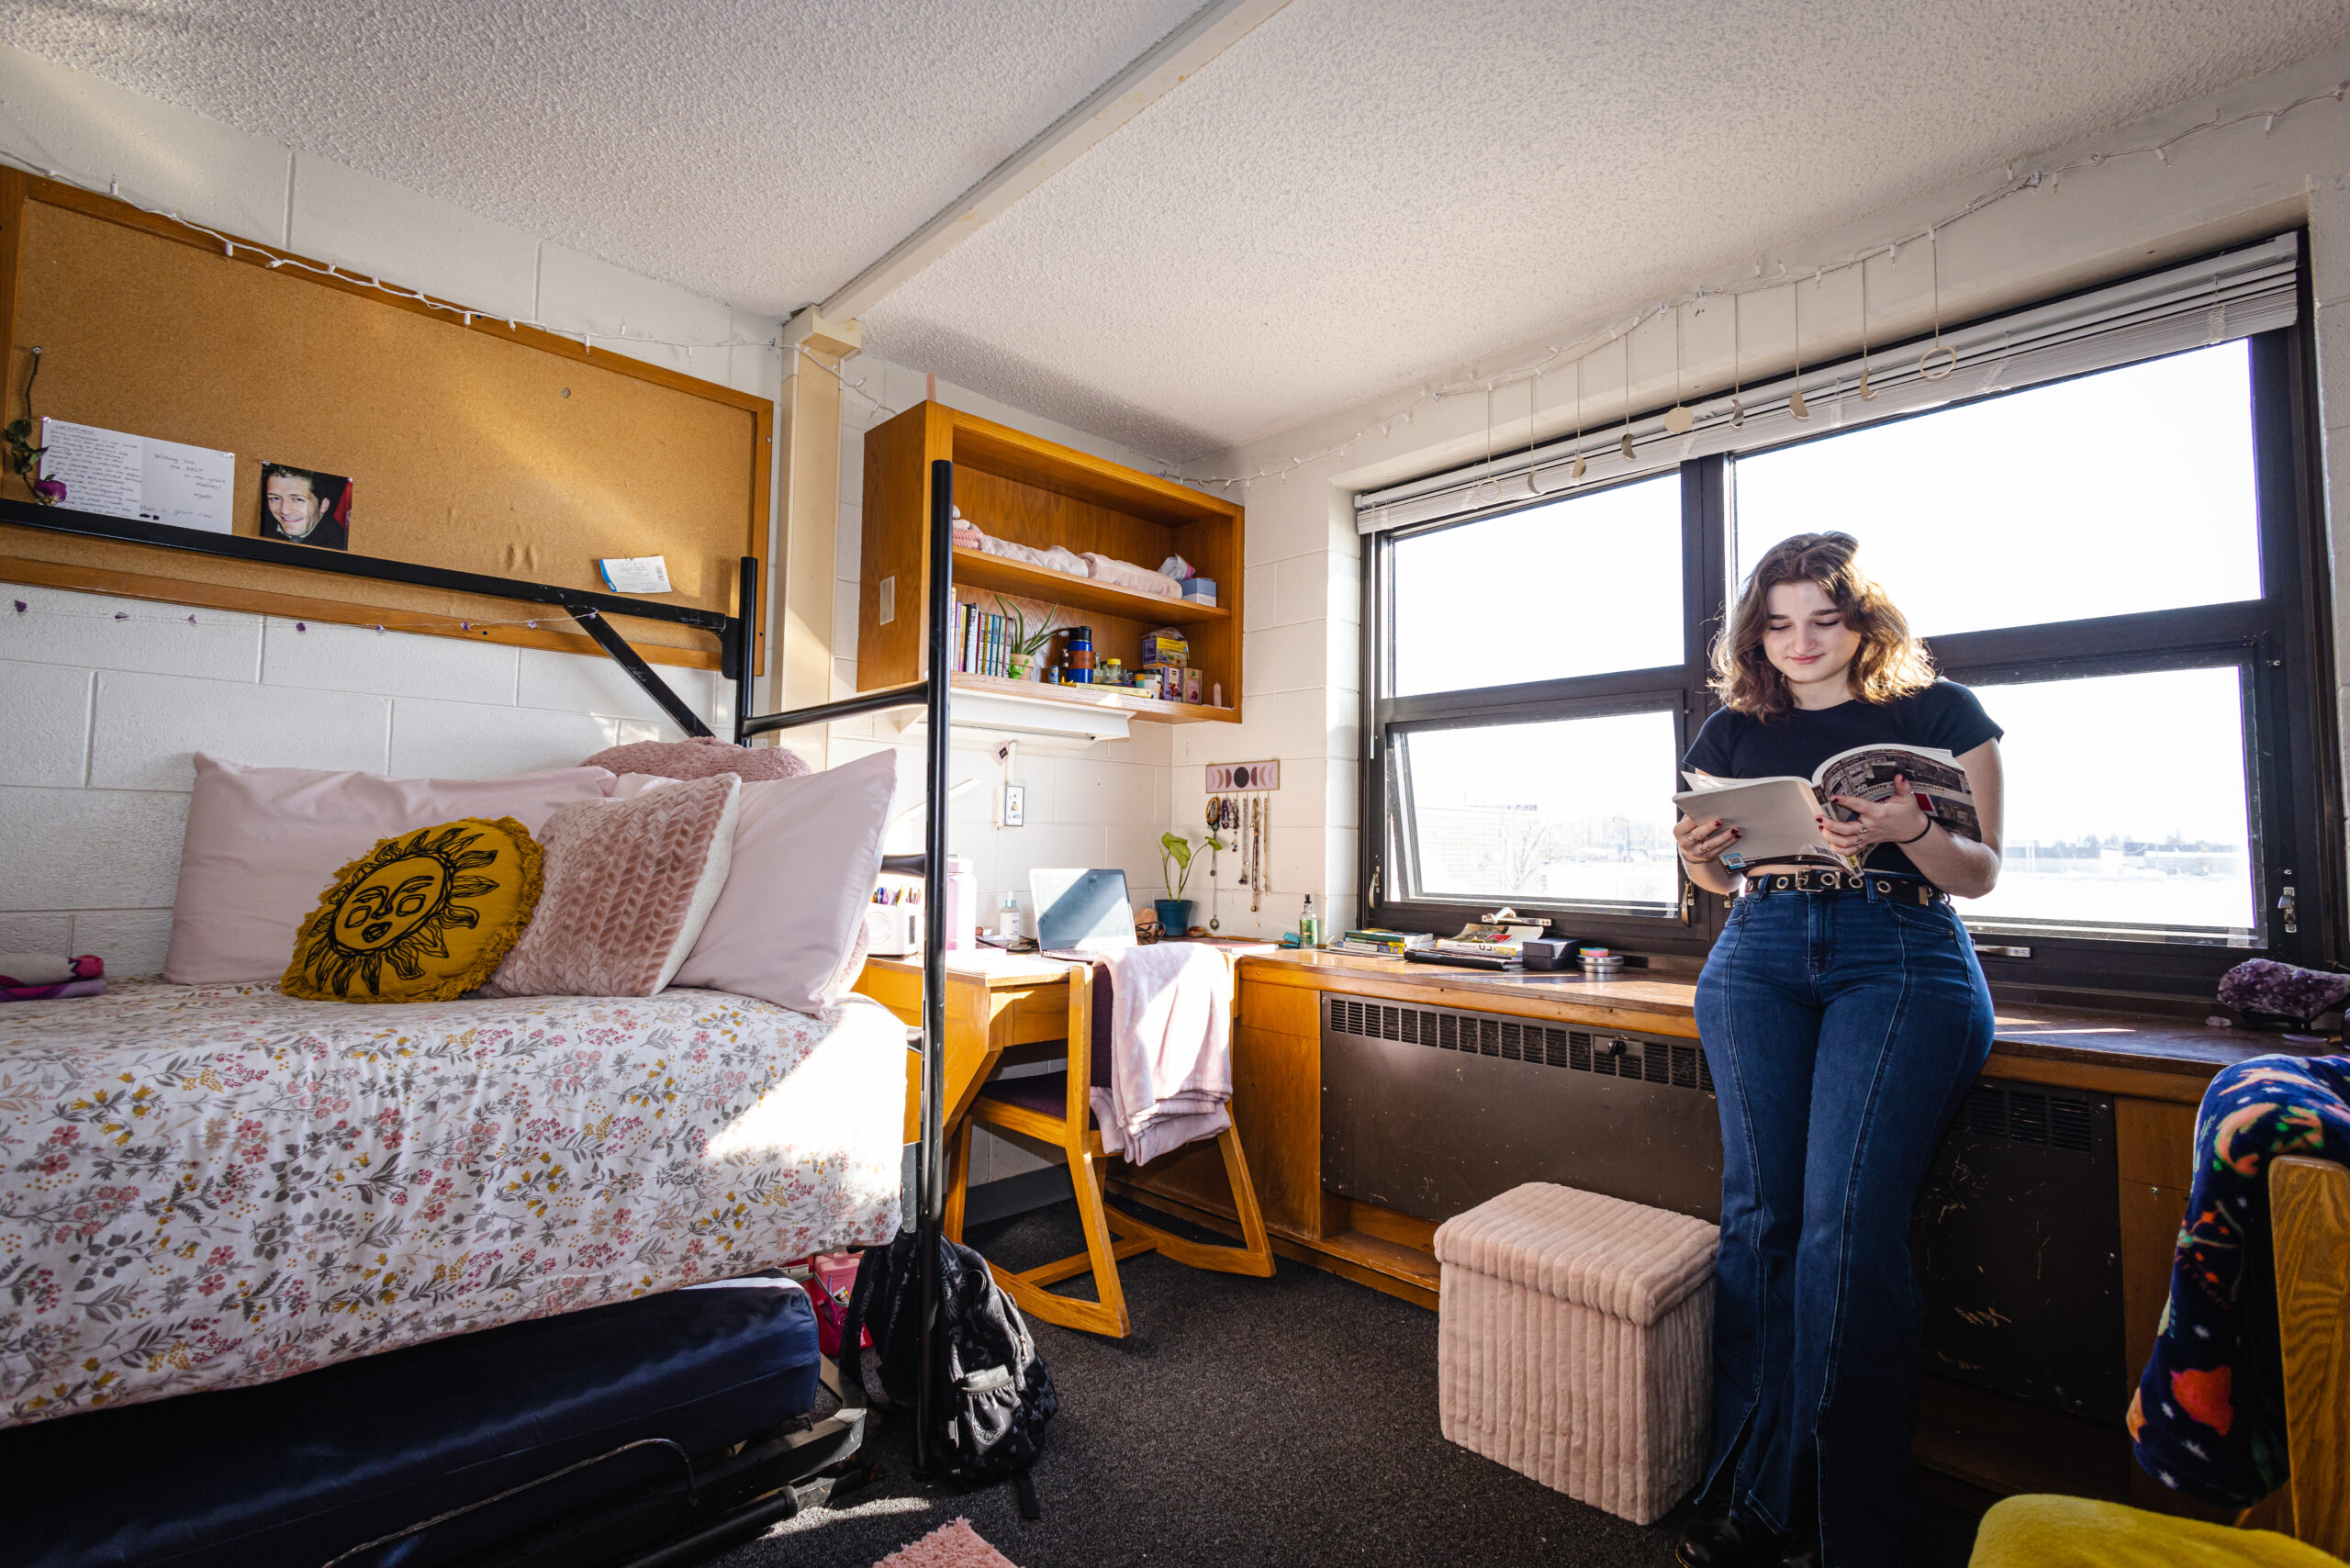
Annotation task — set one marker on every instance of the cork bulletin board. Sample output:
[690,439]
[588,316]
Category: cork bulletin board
[473,447]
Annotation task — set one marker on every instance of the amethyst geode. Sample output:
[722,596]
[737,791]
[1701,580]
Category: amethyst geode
[2262,985]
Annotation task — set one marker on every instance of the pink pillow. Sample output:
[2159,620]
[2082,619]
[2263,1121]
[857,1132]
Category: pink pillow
[263,843]
[701,757]
[629,886]
[807,852]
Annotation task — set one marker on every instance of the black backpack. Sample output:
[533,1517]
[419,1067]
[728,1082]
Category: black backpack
[993,1394]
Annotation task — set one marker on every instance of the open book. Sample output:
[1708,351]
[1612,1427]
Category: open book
[1777,817]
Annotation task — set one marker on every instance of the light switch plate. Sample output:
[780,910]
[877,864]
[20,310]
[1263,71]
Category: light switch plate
[1228,778]
[1015,804]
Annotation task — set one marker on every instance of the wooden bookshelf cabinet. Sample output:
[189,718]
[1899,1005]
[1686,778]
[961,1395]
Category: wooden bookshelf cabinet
[1034,492]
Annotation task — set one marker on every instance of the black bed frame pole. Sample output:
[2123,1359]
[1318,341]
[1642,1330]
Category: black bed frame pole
[929,1156]
[744,642]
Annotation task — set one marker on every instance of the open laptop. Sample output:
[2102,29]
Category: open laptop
[1081,910]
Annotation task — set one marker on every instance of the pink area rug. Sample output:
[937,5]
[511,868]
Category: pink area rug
[956,1545]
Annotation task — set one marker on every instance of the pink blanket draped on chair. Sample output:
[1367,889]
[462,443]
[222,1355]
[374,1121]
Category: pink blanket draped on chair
[1171,1050]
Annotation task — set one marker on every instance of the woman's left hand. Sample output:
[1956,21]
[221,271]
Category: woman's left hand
[1895,820]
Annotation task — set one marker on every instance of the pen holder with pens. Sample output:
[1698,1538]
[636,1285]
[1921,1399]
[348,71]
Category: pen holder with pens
[893,921]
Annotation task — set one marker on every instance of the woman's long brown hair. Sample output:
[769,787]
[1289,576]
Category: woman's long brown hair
[1890,663]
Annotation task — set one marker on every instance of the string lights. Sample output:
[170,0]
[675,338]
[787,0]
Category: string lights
[1938,361]
[231,246]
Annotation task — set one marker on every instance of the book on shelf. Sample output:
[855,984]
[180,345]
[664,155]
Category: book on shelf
[1778,817]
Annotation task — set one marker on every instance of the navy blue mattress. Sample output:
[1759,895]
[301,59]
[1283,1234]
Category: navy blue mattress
[302,1470]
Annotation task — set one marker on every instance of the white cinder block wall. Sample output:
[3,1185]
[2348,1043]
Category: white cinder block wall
[1302,637]
[100,715]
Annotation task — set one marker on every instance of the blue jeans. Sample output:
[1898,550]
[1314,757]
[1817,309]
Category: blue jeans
[1842,1030]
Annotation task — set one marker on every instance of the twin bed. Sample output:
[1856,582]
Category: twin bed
[492,1281]
[211,1186]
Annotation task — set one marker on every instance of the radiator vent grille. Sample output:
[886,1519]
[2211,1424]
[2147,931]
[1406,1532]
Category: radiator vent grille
[2020,1115]
[1676,1063]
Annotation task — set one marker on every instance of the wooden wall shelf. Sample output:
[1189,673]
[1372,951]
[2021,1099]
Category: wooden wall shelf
[976,569]
[1035,492]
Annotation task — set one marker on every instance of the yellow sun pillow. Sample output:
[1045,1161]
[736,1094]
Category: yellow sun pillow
[423,916]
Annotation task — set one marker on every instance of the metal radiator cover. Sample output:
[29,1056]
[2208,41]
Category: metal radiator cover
[1431,1111]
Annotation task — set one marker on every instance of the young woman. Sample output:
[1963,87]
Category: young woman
[1843,1016]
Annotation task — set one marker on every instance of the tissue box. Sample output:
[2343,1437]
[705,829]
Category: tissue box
[1200,590]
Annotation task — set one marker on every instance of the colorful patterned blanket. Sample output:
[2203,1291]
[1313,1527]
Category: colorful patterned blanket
[2209,1417]
[210,1186]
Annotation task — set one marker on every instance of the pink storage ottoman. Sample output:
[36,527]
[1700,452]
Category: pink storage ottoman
[1575,1344]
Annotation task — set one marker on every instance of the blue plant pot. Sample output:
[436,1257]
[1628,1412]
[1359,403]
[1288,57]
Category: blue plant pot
[1174,916]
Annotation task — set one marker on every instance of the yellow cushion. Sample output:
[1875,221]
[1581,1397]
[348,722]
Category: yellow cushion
[2074,1532]
[423,916]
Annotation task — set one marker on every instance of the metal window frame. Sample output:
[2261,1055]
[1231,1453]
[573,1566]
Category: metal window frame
[2281,642]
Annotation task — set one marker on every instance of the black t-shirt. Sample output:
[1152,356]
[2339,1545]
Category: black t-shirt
[1739,746]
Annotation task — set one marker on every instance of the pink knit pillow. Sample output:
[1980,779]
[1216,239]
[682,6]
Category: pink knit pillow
[629,885]
[701,757]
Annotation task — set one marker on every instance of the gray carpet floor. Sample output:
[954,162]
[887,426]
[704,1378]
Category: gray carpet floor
[1247,1423]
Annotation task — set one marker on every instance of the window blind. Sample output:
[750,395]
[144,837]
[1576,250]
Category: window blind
[2234,295]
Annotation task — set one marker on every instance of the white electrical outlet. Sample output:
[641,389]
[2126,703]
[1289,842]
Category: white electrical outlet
[1015,802]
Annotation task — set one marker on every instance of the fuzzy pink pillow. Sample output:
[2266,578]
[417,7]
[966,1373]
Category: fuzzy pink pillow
[629,886]
[701,757]
[806,855]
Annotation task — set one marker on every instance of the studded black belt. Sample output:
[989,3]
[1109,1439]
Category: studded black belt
[1909,890]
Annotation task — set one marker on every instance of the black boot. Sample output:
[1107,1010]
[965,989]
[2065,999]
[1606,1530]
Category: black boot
[1729,1541]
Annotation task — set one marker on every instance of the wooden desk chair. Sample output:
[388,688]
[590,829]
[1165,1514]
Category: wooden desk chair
[1057,1109]
[2309,1206]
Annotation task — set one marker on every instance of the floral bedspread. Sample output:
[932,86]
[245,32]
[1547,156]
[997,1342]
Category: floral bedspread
[210,1186]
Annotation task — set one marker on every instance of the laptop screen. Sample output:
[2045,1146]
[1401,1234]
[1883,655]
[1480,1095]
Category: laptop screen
[1081,910]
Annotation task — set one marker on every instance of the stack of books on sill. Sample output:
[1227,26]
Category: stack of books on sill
[1380,942]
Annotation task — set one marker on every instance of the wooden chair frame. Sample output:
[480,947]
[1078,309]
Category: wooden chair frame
[2308,1208]
[1110,1236]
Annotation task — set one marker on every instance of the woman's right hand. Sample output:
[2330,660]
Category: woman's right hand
[1702,843]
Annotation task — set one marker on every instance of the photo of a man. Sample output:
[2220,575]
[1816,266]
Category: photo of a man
[302,507]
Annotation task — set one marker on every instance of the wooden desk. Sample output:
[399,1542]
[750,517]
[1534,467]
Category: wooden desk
[2156,1066]
[994,1001]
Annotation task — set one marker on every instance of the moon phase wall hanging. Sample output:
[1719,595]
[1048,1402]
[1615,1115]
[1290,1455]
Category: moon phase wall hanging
[1223,778]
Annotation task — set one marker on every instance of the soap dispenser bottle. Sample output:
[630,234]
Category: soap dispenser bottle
[1007,919]
[1309,926]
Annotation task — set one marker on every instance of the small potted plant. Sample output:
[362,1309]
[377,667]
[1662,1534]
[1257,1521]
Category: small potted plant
[1175,867]
[1022,643]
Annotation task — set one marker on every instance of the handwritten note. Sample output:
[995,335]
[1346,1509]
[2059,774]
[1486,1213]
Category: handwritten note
[119,475]
[99,468]
[187,486]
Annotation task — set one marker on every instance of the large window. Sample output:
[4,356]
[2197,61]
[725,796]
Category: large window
[2122,563]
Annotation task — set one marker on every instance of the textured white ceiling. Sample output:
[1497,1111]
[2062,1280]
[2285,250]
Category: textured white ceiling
[1365,192]
[1359,194]
[759,153]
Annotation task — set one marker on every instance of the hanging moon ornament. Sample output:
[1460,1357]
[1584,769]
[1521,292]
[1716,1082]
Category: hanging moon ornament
[1624,446]
[1737,415]
[1679,420]
[1938,359]
[1578,470]
[1868,393]
[1796,408]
